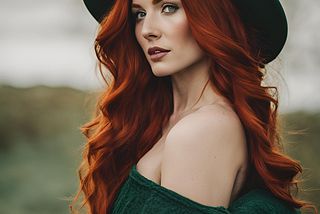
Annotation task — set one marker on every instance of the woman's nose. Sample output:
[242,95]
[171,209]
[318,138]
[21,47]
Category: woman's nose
[150,29]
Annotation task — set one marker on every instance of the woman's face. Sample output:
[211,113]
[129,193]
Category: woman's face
[163,24]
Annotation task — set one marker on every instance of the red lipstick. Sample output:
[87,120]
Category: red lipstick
[157,53]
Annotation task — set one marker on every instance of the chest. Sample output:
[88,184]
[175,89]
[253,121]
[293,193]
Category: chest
[150,164]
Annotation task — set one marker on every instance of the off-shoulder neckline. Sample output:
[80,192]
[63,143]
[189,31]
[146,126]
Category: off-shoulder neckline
[174,195]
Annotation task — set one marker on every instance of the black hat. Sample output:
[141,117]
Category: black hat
[267,17]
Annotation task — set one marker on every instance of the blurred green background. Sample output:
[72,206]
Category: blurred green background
[40,144]
[40,147]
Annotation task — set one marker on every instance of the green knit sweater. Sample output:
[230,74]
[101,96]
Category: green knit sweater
[141,195]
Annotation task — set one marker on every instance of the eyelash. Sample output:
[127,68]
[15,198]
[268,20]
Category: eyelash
[135,15]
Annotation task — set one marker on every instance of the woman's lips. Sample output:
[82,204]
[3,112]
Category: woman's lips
[158,56]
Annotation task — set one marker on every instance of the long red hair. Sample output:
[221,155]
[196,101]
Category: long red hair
[136,105]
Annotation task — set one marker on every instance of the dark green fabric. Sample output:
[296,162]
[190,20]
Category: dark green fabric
[141,195]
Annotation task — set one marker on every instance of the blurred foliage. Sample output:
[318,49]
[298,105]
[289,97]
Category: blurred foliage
[40,148]
[301,138]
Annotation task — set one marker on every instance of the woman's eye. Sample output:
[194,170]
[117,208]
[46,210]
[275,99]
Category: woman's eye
[139,15]
[166,9]
[169,8]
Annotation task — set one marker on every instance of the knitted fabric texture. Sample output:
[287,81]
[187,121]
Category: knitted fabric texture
[141,195]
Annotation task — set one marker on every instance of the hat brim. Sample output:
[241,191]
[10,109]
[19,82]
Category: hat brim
[267,17]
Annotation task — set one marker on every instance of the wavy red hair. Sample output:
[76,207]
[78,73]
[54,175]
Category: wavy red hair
[134,109]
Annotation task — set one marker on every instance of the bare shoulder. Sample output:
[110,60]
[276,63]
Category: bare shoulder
[208,123]
[202,155]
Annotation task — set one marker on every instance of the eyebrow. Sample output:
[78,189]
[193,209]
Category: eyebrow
[154,2]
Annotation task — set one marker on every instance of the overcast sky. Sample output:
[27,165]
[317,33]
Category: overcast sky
[51,43]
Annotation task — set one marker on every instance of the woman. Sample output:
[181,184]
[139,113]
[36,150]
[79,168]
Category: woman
[185,125]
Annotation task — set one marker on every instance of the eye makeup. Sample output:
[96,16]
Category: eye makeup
[167,9]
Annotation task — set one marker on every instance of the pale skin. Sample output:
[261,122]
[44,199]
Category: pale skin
[202,154]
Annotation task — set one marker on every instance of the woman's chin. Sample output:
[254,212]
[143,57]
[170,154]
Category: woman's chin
[161,74]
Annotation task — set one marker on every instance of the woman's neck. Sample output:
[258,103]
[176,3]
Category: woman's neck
[187,86]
